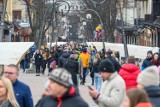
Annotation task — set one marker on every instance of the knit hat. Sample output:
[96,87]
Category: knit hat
[149,52]
[149,77]
[62,77]
[106,66]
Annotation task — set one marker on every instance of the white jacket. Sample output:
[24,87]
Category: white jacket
[112,92]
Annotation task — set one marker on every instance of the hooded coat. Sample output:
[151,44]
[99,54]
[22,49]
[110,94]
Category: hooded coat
[70,99]
[129,72]
[154,95]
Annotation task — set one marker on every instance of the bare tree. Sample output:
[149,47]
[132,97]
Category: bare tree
[107,12]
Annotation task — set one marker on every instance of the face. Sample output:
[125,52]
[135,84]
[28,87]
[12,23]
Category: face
[149,55]
[105,75]
[37,51]
[126,102]
[56,89]
[76,56]
[11,74]
[156,56]
[3,90]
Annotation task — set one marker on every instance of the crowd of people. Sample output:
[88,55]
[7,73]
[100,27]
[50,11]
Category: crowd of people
[113,84]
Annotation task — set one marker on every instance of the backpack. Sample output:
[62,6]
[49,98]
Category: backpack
[53,64]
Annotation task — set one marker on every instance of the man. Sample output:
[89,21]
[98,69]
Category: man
[129,72]
[113,88]
[149,80]
[113,60]
[148,61]
[63,94]
[38,62]
[22,91]
[85,58]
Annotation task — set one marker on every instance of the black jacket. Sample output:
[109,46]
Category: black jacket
[62,59]
[70,99]
[147,62]
[95,66]
[38,59]
[154,95]
[115,63]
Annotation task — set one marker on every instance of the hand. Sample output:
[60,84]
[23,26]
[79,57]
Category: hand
[93,93]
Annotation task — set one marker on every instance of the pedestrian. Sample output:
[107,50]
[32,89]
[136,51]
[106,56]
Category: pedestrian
[149,81]
[156,60]
[64,94]
[129,72]
[21,91]
[38,62]
[97,77]
[7,98]
[148,60]
[85,58]
[137,98]
[113,87]
[113,60]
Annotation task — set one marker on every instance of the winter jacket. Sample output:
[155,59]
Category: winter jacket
[38,59]
[154,95]
[144,105]
[146,63]
[129,73]
[112,92]
[6,104]
[58,55]
[70,99]
[62,59]
[95,66]
[85,58]
[115,63]
[23,94]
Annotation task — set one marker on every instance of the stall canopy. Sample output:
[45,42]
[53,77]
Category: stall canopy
[13,52]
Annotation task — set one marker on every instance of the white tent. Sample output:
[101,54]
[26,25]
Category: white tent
[13,52]
[135,50]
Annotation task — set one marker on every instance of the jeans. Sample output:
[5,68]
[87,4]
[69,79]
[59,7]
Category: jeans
[98,81]
[84,74]
[38,69]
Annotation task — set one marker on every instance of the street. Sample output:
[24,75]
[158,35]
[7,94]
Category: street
[37,84]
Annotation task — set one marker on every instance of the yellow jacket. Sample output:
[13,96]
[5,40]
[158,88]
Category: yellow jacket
[85,58]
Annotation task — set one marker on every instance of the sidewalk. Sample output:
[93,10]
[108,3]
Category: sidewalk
[37,84]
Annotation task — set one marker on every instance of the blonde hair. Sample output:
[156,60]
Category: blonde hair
[10,94]
[97,56]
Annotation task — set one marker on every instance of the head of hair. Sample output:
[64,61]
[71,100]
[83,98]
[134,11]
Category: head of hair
[131,59]
[137,96]
[97,56]
[10,94]
[14,66]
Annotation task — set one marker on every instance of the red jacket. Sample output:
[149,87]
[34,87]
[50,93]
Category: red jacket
[144,105]
[129,73]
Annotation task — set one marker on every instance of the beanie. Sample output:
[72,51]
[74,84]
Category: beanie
[62,77]
[149,77]
[106,66]
[149,52]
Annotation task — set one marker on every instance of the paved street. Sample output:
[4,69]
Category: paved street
[37,87]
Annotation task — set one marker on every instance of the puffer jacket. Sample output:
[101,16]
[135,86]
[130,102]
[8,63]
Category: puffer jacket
[70,99]
[129,73]
[154,95]
[85,58]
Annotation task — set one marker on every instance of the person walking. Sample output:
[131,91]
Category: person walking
[113,87]
[22,91]
[63,94]
[38,62]
[7,98]
[149,81]
[129,72]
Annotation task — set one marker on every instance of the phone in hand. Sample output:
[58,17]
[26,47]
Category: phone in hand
[90,87]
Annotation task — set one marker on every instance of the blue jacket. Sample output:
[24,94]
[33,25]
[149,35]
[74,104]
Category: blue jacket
[23,94]
[154,95]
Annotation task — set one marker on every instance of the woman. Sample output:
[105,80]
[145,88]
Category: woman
[137,98]
[97,76]
[7,98]
[155,60]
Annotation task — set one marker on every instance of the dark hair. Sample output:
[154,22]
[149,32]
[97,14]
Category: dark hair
[137,96]
[14,66]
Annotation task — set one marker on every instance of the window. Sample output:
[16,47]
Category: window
[17,14]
